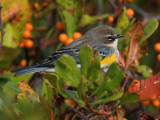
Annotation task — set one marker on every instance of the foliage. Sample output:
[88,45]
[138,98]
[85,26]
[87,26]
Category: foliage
[70,92]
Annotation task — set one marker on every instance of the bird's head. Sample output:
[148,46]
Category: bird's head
[107,35]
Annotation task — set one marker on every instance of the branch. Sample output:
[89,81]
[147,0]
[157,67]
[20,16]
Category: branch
[125,82]
[78,112]
[96,112]
[1,28]
[113,4]
[50,41]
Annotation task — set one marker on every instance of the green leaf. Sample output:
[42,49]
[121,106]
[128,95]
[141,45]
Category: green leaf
[9,54]
[123,21]
[60,88]
[114,77]
[71,13]
[87,19]
[68,93]
[102,95]
[52,78]
[4,64]
[25,77]
[149,29]
[66,68]
[86,57]
[129,98]
[129,26]
[11,36]
[145,70]
[113,97]
[4,80]
[5,77]
[82,88]
[48,91]
[13,86]
[1,104]
[93,72]
[94,69]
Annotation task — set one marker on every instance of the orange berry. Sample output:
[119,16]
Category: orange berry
[23,62]
[68,41]
[158,57]
[159,97]
[24,40]
[122,1]
[145,103]
[130,0]
[29,26]
[27,34]
[134,86]
[76,35]
[156,103]
[63,37]
[21,45]
[130,12]
[60,26]
[110,19]
[157,47]
[28,43]
[36,5]
[111,118]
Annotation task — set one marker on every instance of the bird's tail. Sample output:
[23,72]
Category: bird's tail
[32,69]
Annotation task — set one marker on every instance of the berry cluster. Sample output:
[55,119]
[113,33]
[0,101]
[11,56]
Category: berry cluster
[155,102]
[28,43]
[157,49]
[63,36]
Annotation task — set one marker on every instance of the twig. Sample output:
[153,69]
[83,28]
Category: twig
[1,28]
[50,41]
[96,112]
[125,82]
[100,10]
[78,112]
[113,4]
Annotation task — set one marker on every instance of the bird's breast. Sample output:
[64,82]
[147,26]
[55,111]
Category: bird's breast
[108,60]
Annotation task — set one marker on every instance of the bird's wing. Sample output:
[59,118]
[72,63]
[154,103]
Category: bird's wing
[103,50]
[72,49]
[50,61]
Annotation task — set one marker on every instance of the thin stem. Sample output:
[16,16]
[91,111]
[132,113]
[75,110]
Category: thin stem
[78,112]
[96,112]
[125,82]
[1,28]
[113,4]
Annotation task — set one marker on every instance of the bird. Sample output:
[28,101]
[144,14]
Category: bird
[103,39]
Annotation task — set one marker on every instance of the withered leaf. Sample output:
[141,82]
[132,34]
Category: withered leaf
[121,60]
[135,35]
[150,88]
[145,116]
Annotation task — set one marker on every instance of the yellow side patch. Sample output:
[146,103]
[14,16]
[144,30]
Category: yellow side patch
[108,60]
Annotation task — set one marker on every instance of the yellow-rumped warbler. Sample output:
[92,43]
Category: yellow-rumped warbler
[102,39]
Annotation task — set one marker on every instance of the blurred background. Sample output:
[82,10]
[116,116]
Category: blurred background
[33,28]
[36,28]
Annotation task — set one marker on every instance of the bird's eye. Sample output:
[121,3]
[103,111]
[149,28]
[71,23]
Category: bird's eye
[110,38]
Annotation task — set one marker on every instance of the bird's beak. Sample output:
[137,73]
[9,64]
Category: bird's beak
[119,36]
